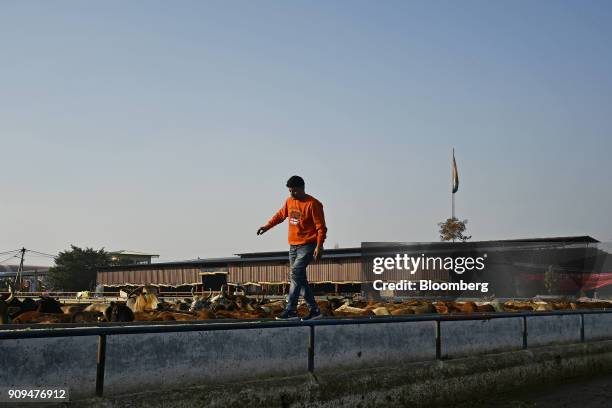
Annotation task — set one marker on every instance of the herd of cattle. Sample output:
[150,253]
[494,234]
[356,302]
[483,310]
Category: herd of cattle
[143,304]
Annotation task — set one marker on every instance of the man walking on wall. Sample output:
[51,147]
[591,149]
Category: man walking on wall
[307,232]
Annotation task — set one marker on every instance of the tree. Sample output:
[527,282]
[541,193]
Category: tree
[76,269]
[453,229]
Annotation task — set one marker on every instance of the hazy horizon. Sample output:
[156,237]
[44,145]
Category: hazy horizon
[172,128]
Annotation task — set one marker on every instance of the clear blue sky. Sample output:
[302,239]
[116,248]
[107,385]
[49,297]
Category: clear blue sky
[172,127]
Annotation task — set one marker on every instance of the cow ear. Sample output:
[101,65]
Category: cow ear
[112,303]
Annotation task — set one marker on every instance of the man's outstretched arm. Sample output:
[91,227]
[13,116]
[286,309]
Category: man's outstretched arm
[275,220]
[319,222]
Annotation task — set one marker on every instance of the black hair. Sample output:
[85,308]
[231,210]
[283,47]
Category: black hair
[295,181]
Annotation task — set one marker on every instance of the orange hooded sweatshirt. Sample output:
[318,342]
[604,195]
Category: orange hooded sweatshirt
[306,220]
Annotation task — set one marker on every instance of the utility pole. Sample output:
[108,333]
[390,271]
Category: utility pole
[19,278]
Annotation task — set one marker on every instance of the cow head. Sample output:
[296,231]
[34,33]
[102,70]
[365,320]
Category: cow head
[47,304]
[120,313]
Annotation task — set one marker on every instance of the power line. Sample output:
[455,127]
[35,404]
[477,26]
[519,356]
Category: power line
[38,256]
[40,253]
[29,250]
[12,256]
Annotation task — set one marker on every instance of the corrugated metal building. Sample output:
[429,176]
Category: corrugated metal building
[338,266]
[340,270]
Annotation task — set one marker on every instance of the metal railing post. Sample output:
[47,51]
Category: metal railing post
[101,360]
[311,345]
[581,327]
[438,341]
[524,332]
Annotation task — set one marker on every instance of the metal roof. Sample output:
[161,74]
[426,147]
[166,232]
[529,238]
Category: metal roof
[208,262]
[576,239]
[337,253]
[132,253]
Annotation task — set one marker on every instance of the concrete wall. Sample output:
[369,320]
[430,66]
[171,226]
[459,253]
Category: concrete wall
[466,382]
[373,344]
[461,338]
[546,330]
[189,358]
[68,362]
[172,360]
[597,326]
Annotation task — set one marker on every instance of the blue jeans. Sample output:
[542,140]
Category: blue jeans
[299,258]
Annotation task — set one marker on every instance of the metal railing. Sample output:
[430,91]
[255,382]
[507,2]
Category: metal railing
[125,328]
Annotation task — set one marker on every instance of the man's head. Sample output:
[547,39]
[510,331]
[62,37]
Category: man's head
[295,184]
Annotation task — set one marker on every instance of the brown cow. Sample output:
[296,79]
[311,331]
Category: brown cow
[34,316]
[164,315]
[143,302]
[463,307]
[517,306]
[87,317]
[205,314]
[402,311]
[103,308]
[485,308]
[71,309]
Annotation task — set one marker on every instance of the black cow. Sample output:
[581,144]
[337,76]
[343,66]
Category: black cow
[120,313]
[47,304]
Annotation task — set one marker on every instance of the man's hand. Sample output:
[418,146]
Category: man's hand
[261,230]
[317,253]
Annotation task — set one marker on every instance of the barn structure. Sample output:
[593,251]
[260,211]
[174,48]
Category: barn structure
[338,271]
[517,266]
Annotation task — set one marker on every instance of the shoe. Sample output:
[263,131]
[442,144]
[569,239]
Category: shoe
[313,315]
[288,315]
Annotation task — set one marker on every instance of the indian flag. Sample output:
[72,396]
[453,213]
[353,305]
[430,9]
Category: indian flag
[455,175]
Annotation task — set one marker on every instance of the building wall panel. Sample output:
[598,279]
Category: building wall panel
[153,275]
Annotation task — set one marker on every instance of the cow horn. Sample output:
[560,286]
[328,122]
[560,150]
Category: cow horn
[134,290]
[11,295]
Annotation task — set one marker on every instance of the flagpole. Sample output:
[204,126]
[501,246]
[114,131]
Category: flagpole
[452,185]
